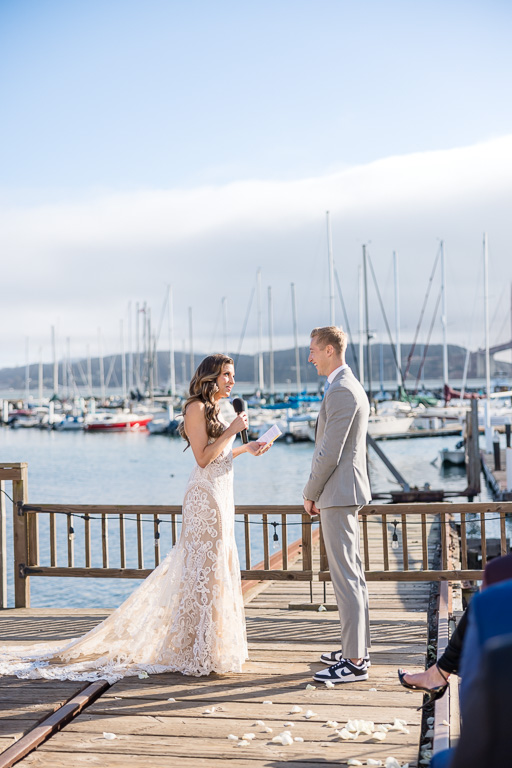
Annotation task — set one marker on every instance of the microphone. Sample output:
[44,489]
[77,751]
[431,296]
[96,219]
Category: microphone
[239,406]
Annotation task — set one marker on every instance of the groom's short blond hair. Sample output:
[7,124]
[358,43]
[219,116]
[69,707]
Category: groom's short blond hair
[330,334]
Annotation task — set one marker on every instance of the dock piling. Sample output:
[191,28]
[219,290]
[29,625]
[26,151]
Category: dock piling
[497,455]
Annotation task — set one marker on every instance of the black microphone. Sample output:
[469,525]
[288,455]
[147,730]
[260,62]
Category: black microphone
[239,406]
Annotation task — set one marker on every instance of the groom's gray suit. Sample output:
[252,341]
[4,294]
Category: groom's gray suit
[339,486]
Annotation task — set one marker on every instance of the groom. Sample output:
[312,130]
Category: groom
[337,487]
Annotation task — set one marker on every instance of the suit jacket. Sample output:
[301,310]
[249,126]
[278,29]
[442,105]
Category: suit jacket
[339,476]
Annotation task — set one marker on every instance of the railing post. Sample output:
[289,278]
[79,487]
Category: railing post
[307,543]
[3,547]
[21,539]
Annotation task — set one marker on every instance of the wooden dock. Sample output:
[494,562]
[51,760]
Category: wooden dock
[496,478]
[285,646]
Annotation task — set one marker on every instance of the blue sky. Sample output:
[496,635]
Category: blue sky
[123,110]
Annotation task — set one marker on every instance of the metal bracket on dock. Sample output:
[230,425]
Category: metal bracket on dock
[21,571]
[21,510]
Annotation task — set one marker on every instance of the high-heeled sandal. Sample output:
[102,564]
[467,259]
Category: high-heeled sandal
[433,693]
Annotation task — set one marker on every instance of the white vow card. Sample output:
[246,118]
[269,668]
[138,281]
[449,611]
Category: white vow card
[270,435]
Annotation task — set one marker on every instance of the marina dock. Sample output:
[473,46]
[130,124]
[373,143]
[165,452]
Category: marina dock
[168,718]
[496,478]
[285,646]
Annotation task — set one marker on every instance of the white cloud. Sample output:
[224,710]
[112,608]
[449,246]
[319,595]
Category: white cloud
[82,261]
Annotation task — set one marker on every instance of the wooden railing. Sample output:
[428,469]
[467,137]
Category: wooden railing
[399,542]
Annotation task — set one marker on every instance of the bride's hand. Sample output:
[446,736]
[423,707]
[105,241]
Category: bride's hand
[239,423]
[258,449]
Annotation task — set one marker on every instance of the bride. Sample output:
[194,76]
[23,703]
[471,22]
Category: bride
[188,615]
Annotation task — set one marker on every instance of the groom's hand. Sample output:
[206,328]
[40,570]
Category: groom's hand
[311,508]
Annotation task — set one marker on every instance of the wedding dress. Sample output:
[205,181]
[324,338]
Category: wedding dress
[187,616]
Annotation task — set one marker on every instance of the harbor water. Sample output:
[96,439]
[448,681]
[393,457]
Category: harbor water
[135,468]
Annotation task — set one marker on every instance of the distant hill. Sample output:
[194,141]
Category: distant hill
[246,368]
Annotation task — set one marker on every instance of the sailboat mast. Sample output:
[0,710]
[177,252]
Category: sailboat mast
[361,324]
[27,370]
[130,348]
[296,339]
[488,431]
[443,315]
[55,364]
[40,381]
[331,271]
[225,323]
[271,341]
[89,370]
[367,325]
[191,342]
[123,358]
[170,323]
[102,369]
[261,382]
[398,345]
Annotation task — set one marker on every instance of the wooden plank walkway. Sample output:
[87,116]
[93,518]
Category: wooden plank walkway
[163,720]
[496,478]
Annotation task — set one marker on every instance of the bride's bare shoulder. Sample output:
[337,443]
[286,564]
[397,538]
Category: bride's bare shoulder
[195,411]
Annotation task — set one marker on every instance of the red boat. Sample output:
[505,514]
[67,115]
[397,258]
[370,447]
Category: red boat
[117,422]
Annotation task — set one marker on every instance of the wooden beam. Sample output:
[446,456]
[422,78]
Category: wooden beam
[51,724]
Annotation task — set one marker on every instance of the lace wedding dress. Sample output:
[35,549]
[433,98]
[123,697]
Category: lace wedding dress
[187,616]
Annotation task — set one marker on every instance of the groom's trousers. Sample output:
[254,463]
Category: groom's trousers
[340,527]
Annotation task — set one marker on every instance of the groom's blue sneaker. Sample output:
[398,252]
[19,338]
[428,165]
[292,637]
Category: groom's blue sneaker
[343,672]
[333,657]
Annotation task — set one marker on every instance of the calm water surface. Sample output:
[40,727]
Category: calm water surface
[125,468]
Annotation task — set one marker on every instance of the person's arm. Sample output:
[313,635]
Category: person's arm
[195,427]
[341,407]
[255,448]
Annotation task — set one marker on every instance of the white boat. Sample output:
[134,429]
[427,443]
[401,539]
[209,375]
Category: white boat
[393,418]
[117,422]
[70,424]
[452,456]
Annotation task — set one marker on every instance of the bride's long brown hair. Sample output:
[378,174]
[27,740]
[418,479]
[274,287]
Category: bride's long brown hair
[203,388]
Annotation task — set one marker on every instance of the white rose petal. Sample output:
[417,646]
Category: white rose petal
[248,736]
[267,702]
[321,608]
[310,687]
[372,689]
[353,761]
[309,713]
[298,738]
[277,739]
[232,737]
[294,710]
[172,700]
[398,725]
[109,736]
[378,736]
[143,675]
[267,729]
[370,761]
[260,723]
[392,762]
[351,726]
[329,684]
[243,743]
[289,725]
[383,728]
[331,724]
[445,722]
[287,739]
[344,734]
